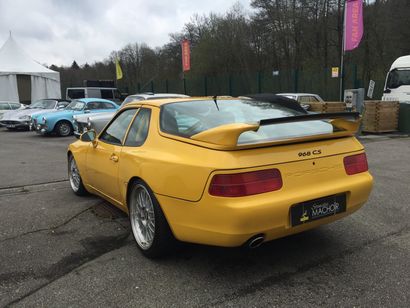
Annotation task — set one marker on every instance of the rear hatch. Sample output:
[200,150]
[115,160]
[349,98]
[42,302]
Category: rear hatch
[236,124]
[247,136]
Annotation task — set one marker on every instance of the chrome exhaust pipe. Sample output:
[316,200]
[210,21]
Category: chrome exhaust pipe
[256,241]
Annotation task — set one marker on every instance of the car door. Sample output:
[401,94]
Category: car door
[133,151]
[104,157]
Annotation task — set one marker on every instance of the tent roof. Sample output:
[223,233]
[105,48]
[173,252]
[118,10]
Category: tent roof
[14,60]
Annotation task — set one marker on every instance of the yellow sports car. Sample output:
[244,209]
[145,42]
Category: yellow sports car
[222,171]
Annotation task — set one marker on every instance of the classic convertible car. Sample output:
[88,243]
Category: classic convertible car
[222,171]
[21,118]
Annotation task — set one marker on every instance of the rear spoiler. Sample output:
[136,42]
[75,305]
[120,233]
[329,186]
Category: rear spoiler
[225,137]
[312,117]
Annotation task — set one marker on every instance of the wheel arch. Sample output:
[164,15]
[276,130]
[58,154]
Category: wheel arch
[129,186]
[63,120]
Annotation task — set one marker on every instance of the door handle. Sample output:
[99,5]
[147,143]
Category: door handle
[114,158]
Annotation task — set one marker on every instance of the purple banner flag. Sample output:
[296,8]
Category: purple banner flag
[353,24]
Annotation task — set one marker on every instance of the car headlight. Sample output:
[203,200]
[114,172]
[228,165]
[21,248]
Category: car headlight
[44,119]
[88,123]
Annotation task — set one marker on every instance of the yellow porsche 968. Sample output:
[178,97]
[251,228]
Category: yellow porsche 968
[222,171]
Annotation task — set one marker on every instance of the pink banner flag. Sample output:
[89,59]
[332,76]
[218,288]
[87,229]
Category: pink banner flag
[186,56]
[353,24]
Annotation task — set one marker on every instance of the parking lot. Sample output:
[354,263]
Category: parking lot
[59,250]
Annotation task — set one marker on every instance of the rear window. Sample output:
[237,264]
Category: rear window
[186,119]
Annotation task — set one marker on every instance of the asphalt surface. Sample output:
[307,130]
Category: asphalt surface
[60,250]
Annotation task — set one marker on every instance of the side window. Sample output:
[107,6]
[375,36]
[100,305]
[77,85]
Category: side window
[107,94]
[313,99]
[115,132]
[108,105]
[94,105]
[139,129]
[73,94]
[304,99]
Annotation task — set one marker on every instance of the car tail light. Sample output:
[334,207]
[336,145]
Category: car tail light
[245,184]
[355,164]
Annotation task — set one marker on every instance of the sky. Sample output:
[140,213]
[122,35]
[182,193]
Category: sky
[60,31]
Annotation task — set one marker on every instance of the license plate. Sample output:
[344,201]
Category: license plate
[11,126]
[312,210]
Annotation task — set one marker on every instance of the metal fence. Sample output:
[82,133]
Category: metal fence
[318,82]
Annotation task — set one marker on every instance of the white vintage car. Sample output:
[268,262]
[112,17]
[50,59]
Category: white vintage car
[6,106]
[21,118]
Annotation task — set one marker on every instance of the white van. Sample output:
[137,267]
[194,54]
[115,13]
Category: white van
[93,92]
[397,86]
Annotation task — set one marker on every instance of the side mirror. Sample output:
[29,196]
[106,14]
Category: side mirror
[86,110]
[89,136]
[60,107]
[387,91]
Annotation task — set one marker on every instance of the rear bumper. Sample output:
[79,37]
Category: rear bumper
[232,221]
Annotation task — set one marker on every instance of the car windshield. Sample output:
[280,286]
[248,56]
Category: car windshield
[43,104]
[186,119]
[398,77]
[75,105]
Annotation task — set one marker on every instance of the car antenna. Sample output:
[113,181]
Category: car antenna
[216,103]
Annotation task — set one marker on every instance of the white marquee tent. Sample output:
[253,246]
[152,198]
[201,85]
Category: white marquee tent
[16,66]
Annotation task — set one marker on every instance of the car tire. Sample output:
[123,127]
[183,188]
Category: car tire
[74,178]
[149,226]
[64,128]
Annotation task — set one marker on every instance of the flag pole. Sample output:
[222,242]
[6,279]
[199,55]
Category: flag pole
[342,71]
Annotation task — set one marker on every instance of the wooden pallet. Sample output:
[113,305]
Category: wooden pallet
[326,107]
[380,116]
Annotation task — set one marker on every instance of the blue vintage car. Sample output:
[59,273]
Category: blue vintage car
[61,121]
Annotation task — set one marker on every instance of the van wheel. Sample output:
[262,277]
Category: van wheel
[64,128]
